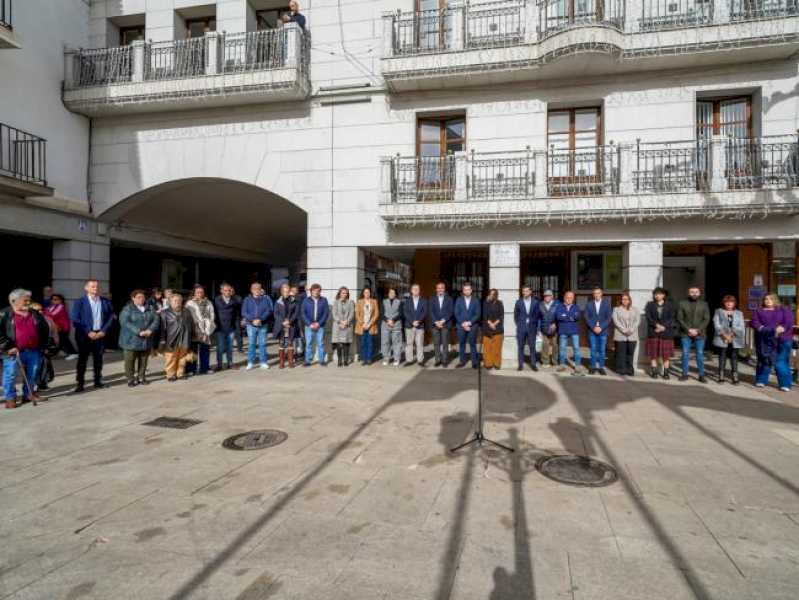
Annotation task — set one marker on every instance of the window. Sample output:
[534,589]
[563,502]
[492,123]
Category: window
[576,162]
[199,27]
[270,19]
[730,117]
[437,139]
[597,268]
[128,35]
[573,128]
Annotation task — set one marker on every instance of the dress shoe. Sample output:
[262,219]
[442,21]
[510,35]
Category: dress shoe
[132,384]
[520,368]
[591,371]
[666,375]
[98,385]
[683,377]
[460,365]
[79,389]
[535,367]
[602,371]
[172,379]
[702,379]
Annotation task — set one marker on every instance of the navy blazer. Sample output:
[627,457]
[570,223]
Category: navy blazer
[462,314]
[527,321]
[409,315]
[603,317]
[322,311]
[443,312]
[83,320]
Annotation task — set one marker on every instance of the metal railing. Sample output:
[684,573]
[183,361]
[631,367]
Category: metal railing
[556,15]
[23,155]
[501,175]
[743,10]
[421,32]
[669,14]
[5,14]
[175,59]
[494,24]
[423,179]
[671,166]
[589,171]
[254,51]
[103,66]
[768,161]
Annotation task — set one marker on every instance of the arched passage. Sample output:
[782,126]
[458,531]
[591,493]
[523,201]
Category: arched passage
[203,230]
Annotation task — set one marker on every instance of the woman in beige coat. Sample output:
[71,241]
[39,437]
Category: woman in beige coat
[343,314]
[367,315]
[626,320]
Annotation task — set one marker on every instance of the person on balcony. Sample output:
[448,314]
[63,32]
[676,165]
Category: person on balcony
[343,313]
[367,315]
[598,315]
[24,335]
[773,325]
[92,317]
[414,313]
[315,312]
[568,318]
[626,319]
[527,317]
[294,15]
[391,328]
[493,331]
[285,327]
[548,327]
[202,311]
[693,317]
[256,310]
[467,316]
[138,323]
[660,326]
[729,326]
[441,313]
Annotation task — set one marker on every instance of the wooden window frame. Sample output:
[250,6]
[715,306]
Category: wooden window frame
[441,121]
[573,131]
[717,101]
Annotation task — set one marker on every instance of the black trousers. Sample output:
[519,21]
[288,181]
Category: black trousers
[441,344]
[95,348]
[624,357]
[731,353]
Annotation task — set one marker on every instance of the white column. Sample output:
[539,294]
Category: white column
[503,273]
[213,48]
[643,272]
[721,10]
[293,35]
[456,14]
[718,158]
[137,60]
[530,21]
[76,261]
[626,183]
[461,177]
[389,32]
[70,76]
[541,188]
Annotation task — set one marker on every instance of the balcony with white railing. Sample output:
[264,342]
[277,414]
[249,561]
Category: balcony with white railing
[715,178]
[219,69]
[477,42]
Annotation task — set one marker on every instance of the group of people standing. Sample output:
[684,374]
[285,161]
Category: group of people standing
[184,332]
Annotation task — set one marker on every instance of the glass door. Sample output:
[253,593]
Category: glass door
[438,139]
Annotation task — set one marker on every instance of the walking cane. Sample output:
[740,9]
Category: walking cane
[33,396]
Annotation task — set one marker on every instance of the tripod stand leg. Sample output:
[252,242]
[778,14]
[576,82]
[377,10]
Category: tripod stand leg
[474,440]
[498,445]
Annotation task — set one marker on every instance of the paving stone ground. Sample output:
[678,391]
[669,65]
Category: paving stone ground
[363,501]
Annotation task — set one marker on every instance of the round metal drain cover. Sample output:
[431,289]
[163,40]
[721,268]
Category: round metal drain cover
[577,470]
[256,440]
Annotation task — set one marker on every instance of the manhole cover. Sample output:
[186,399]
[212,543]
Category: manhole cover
[173,422]
[577,470]
[256,440]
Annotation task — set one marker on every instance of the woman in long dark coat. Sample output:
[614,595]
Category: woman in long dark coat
[286,313]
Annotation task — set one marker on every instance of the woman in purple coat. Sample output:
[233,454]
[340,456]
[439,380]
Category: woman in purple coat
[773,325]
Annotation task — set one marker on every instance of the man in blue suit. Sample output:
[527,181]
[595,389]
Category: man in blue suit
[414,313]
[597,316]
[526,316]
[92,317]
[467,318]
[315,312]
[441,312]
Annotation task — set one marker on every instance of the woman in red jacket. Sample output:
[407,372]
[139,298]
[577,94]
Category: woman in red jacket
[57,311]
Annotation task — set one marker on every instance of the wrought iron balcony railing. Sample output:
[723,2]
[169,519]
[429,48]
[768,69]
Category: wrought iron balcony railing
[556,15]
[23,155]
[744,10]
[5,14]
[212,54]
[714,165]
[668,14]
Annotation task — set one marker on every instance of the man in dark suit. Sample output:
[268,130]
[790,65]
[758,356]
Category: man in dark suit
[92,317]
[527,316]
[467,319]
[441,311]
[598,314]
[414,314]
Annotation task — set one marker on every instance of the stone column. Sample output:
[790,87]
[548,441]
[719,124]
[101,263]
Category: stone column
[293,44]
[541,174]
[503,273]
[643,272]
[76,261]
[137,60]
[213,47]
[718,159]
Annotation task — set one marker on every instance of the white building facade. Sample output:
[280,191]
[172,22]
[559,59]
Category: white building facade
[560,144]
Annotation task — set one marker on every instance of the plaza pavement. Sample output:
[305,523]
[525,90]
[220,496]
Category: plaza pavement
[363,501]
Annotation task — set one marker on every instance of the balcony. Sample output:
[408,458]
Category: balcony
[23,163]
[715,178]
[7,37]
[470,43]
[216,70]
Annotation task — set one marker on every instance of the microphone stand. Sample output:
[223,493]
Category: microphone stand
[478,437]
